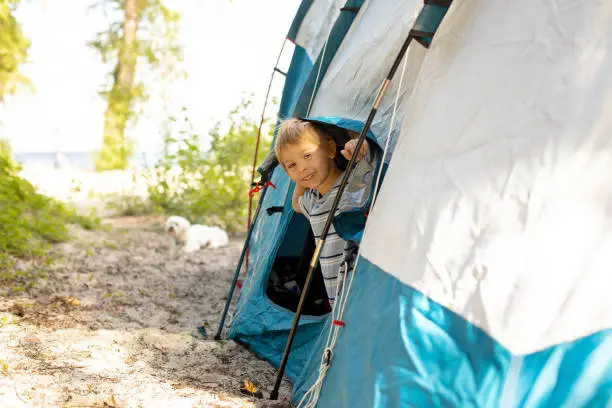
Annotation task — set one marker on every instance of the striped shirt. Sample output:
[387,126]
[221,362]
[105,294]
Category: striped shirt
[316,208]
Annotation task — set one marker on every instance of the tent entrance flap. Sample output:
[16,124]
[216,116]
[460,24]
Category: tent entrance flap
[288,274]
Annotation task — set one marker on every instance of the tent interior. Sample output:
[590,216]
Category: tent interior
[286,279]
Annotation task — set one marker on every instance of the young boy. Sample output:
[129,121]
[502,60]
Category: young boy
[307,154]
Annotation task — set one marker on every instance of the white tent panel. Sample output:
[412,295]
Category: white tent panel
[498,202]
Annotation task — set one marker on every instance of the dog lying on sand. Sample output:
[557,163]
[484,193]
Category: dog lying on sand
[196,236]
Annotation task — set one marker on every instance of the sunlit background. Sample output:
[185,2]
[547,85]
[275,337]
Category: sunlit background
[229,49]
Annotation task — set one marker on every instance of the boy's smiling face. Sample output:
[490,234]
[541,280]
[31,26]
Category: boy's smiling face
[310,163]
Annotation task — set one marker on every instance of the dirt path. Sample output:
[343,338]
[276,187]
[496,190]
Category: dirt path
[115,322]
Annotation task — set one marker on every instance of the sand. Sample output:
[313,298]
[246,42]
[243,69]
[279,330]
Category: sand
[115,324]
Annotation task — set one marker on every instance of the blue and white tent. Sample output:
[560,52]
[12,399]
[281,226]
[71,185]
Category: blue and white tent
[258,322]
[484,270]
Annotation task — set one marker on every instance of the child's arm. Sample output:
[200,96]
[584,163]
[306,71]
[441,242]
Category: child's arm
[298,191]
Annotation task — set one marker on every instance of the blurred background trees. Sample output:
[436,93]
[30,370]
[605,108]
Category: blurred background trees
[140,32]
[13,49]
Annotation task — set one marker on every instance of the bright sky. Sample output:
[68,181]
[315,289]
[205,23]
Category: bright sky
[230,47]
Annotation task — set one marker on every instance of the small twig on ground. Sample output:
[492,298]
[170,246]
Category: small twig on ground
[66,367]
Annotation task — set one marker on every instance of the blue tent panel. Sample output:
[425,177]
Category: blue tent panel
[399,348]
[297,20]
[428,21]
[298,72]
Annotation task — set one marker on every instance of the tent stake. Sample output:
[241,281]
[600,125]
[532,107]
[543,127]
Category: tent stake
[334,207]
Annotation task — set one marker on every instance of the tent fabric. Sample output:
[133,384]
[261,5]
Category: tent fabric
[316,25]
[311,26]
[363,61]
[298,19]
[484,274]
[503,178]
[297,74]
[336,36]
[257,322]
[400,348]
[484,271]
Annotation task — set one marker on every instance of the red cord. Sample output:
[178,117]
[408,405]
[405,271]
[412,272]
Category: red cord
[258,187]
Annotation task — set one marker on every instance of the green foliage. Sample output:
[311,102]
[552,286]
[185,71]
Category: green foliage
[139,31]
[13,49]
[29,221]
[204,186]
[225,180]
[157,30]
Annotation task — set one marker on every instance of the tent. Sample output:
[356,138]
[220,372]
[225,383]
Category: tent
[483,275]
[279,234]
[258,322]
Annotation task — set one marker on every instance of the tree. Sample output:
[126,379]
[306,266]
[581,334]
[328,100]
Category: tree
[139,31]
[13,49]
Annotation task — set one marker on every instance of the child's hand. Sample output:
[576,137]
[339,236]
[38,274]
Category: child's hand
[349,149]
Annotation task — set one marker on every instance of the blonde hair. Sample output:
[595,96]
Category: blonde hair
[291,131]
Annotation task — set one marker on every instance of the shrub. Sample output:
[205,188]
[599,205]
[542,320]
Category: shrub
[30,221]
[208,186]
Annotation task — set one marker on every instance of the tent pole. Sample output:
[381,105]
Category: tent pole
[334,207]
[261,122]
[239,266]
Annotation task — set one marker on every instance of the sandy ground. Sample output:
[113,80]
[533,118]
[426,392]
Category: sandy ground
[115,324]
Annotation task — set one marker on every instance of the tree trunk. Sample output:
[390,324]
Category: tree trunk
[116,150]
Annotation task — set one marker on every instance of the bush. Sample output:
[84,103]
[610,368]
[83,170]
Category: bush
[210,186]
[30,221]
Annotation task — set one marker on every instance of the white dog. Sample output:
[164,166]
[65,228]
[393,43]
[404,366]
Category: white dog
[196,236]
